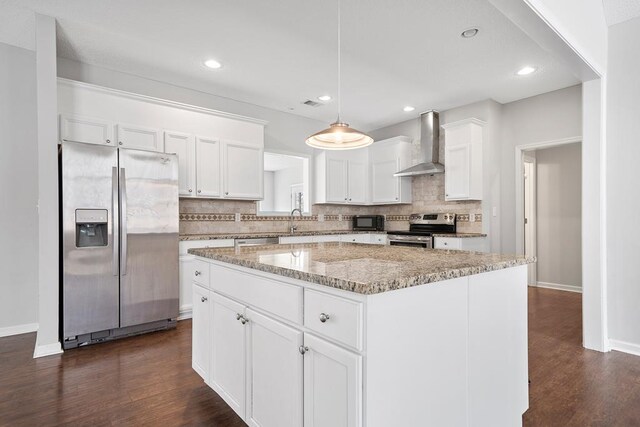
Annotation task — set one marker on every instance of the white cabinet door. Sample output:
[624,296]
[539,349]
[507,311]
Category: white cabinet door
[274,370]
[183,145]
[332,385]
[378,239]
[457,171]
[208,167]
[86,129]
[357,178]
[228,350]
[244,171]
[385,188]
[139,138]
[200,331]
[336,170]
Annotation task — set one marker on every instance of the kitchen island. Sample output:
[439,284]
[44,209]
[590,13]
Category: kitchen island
[343,334]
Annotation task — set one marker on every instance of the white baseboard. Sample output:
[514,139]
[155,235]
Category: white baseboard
[560,287]
[186,312]
[18,329]
[47,350]
[625,347]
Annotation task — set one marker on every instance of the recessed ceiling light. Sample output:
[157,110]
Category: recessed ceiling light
[212,63]
[408,108]
[526,70]
[468,33]
[325,98]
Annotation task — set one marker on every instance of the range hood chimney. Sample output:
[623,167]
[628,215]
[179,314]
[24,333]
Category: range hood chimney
[429,147]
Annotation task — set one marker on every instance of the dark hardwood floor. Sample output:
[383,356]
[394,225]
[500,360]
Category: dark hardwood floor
[571,386]
[148,380]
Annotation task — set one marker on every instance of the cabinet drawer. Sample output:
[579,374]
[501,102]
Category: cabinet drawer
[448,243]
[334,317]
[278,298]
[201,272]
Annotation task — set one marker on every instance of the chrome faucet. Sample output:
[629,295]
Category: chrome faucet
[292,225]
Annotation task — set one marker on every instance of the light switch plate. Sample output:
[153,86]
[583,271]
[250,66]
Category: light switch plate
[320,217]
[238,217]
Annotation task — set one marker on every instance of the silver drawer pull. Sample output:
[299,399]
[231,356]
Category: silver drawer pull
[238,316]
[303,349]
[241,318]
[203,299]
[324,317]
[198,273]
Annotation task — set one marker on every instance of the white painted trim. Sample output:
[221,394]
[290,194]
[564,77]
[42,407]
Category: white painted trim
[625,347]
[560,287]
[18,329]
[186,312]
[158,101]
[519,150]
[464,122]
[47,350]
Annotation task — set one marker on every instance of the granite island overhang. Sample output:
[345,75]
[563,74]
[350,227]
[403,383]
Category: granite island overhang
[362,335]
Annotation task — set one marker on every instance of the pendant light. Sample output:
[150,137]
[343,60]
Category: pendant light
[339,136]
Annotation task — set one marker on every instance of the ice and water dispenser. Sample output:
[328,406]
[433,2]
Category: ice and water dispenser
[91,228]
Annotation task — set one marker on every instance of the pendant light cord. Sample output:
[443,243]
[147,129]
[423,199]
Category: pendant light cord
[339,64]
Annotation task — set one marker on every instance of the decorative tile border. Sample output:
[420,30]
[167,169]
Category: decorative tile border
[253,217]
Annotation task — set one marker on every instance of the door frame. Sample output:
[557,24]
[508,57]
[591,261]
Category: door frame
[533,218]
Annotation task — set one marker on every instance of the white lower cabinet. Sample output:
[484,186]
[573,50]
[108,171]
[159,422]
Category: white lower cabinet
[274,370]
[332,385]
[476,244]
[228,352]
[201,331]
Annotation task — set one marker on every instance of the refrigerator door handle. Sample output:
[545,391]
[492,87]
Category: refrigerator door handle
[123,222]
[115,223]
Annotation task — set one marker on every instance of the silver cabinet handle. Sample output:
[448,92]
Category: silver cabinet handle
[324,317]
[120,142]
[199,191]
[241,318]
[123,222]
[108,141]
[226,193]
[197,273]
[238,316]
[203,299]
[190,191]
[303,349]
[445,243]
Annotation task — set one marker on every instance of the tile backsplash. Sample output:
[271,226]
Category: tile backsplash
[200,216]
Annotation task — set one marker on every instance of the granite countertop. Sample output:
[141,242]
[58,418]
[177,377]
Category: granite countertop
[222,236]
[187,237]
[361,268]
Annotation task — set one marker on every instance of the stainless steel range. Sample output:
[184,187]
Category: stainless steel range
[422,227]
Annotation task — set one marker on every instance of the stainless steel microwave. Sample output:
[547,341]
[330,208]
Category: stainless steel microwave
[368,222]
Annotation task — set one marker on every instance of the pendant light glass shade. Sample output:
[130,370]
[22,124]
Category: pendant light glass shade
[339,136]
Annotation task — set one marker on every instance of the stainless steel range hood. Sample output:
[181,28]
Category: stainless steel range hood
[429,147]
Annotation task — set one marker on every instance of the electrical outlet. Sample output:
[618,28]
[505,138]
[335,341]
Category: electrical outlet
[320,217]
[339,217]
[495,211]
[238,217]
[472,217]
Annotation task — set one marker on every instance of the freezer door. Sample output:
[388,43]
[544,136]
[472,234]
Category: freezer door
[149,280]
[89,191]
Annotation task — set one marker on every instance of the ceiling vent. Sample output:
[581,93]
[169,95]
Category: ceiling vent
[311,103]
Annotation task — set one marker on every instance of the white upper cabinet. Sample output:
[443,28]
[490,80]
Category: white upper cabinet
[463,160]
[208,167]
[243,170]
[139,137]
[74,128]
[183,145]
[388,157]
[341,177]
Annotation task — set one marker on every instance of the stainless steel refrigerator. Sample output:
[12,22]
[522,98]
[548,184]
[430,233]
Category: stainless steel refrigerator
[119,224]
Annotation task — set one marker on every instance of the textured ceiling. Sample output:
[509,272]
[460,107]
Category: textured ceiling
[279,53]
[617,11]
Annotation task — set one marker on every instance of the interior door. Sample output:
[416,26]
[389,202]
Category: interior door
[149,279]
[274,369]
[228,350]
[90,264]
[529,167]
[332,385]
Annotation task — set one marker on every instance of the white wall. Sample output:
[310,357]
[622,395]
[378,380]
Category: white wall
[547,117]
[284,132]
[267,205]
[559,219]
[283,180]
[18,191]
[623,201]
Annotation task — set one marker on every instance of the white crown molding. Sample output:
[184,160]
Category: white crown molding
[464,122]
[159,101]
